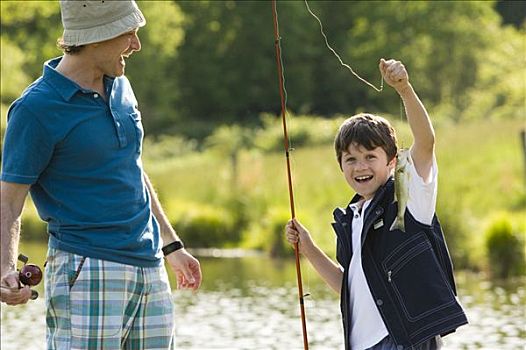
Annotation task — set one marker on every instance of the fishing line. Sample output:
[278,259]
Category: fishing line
[380,89]
[282,74]
[283,96]
[307,274]
[338,56]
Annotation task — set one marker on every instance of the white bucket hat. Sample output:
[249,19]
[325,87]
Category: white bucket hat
[92,21]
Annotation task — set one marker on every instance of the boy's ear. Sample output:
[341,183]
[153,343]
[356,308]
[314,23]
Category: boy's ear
[392,163]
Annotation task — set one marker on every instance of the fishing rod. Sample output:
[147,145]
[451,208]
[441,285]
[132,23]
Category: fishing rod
[289,177]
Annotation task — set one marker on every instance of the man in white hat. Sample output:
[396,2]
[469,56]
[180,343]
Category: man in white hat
[73,140]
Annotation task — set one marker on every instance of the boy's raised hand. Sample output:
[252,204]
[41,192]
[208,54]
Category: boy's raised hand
[394,74]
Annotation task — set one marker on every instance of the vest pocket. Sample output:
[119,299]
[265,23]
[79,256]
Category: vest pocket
[416,278]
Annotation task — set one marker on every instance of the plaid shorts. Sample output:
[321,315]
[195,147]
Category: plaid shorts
[99,304]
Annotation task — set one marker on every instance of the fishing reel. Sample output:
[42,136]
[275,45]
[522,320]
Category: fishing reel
[29,275]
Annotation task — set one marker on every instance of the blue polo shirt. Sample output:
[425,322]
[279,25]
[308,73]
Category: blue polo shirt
[82,157]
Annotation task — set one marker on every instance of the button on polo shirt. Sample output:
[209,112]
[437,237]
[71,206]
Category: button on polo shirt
[81,156]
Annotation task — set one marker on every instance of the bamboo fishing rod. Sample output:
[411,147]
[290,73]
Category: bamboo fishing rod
[289,177]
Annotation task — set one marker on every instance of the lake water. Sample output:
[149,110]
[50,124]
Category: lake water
[251,302]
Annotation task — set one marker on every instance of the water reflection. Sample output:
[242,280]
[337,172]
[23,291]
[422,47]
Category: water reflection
[496,311]
[251,303]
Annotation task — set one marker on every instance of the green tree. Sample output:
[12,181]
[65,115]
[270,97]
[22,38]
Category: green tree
[225,67]
[153,70]
[228,142]
[13,79]
[33,26]
[209,63]
[499,90]
[445,46]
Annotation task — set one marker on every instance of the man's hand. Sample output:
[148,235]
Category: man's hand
[10,293]
[186,269]
[394,74]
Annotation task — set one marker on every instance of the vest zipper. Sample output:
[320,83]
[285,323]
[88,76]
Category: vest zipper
[389,276]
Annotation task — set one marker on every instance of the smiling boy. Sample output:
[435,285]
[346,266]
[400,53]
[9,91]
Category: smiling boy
[396,288]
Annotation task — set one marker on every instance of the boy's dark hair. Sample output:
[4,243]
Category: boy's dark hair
[68,49]
[367,130]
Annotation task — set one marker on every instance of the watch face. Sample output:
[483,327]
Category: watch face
[172,247]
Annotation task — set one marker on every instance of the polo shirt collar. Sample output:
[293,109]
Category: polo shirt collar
[66,87]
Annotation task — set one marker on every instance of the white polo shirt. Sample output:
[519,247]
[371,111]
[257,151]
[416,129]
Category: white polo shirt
[367,326]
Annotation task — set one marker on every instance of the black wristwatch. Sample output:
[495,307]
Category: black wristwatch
[172,247]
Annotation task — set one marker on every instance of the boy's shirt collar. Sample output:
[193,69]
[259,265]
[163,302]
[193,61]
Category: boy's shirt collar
[361,204]
[378,195]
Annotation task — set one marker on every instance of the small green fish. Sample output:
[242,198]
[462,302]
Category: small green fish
[403,159]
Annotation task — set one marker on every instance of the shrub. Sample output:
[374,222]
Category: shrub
[205,226]
[454,222]
[167,147]
[504,247]
[236,204]
[302,131]
[276,221]
[268,234]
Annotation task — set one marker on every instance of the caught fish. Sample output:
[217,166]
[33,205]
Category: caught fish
[403,159]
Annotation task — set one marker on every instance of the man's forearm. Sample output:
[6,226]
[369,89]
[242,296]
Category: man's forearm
[12,197]
[168,234]
[10,236]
